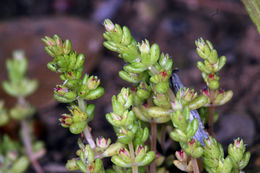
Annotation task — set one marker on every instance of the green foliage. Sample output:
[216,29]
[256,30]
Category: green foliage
[76,89]
[149,101]
[70,65]
[4,118]
[12,158]
[150,69]
[238,155]
[18,85]
[214,161]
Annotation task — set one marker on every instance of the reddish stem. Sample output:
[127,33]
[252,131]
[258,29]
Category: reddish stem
[195,165]
[163,134]
[28,147]
[211,114]
[210,120]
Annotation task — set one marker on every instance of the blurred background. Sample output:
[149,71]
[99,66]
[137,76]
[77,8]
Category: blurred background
[173,24]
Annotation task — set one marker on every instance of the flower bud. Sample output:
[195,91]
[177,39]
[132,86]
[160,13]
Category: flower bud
[102,142]
[65,120]
[117,120]
[125,155]
[77,114]
[188,95]
[140,152]
[181,156]
[62,94]
[166,62]
[109,25]
[194,149]
[176,105]
[206,93]
[48,41]
[125,97]
[93,82]
[203,49]
[57,39]
[144,47]
[212,80]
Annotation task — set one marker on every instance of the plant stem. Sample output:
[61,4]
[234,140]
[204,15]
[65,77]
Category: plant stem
[28,147]
[89,138]
[195,165]
[87,133]
[210,120]
[82,104]
[163,134]
[211,114]
[153,144]
[132,153]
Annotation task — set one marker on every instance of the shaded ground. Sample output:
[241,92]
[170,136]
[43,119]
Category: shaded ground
[173,24]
